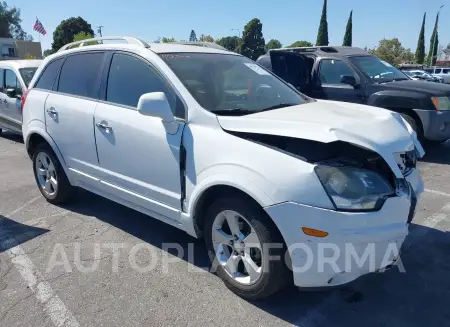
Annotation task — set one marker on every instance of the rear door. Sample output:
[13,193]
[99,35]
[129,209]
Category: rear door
[328,83]
[70,110]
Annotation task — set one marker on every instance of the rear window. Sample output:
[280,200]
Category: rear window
[80,75]
[27,74]
[49,74]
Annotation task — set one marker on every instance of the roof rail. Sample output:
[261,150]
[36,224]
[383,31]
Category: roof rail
[99,40]
[201,44]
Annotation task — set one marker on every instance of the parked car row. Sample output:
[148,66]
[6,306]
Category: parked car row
[423,76]
[215,144]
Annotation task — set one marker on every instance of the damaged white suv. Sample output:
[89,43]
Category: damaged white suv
[282,187]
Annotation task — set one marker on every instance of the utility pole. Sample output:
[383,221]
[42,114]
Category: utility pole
[237,29]
[430,63]
[99,30]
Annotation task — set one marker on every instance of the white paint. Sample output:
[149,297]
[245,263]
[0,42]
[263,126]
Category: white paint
[437,192]
[53,306]
[317,316]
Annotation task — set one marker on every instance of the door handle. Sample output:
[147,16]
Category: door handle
[104,126]
[52,111]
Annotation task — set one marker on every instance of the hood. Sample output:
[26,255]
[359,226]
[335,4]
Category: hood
[421,86]
[373,128]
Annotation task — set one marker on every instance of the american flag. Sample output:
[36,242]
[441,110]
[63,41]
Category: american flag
[38,27]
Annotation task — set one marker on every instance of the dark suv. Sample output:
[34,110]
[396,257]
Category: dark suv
[353,75]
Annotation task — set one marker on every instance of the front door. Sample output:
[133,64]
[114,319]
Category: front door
[11,104]
[329,85]
[139,159]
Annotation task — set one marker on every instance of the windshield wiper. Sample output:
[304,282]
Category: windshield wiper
[393,80]
[233,112]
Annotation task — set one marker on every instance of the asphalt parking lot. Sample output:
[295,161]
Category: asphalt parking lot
[85,286]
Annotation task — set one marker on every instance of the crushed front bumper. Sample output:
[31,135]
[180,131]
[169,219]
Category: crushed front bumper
[357,242]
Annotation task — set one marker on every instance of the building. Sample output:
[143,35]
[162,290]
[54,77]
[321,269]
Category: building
[19,49]
[444,58]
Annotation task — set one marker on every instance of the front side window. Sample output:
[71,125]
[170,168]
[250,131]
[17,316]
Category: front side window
[446,71]
[377,70]
[438,71]
[49,75]
[80,75]
[227,84]
[11,82]
[130,77]
[332,70]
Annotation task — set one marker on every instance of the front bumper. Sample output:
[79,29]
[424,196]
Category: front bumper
[357,243]
[436,124]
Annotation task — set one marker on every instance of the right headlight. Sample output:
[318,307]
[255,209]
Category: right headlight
[354,189]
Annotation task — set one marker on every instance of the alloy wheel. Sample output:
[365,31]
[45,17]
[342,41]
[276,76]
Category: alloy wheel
[237,247]
[46,174]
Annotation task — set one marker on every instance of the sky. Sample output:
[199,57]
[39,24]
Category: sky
[285,20]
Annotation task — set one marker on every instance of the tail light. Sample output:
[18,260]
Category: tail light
[24,98]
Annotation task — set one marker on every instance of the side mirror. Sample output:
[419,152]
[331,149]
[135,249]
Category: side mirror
[11,93]
[348,79]
[155,104]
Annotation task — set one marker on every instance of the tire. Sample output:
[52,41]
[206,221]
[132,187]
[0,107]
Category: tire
[274,274]
[417,128]
[62,190]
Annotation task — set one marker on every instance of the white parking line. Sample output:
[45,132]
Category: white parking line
[317,316]
[53,306]
[437,192]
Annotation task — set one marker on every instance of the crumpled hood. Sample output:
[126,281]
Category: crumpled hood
[373,128]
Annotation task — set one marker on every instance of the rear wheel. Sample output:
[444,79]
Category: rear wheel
[50,176]
[238,234]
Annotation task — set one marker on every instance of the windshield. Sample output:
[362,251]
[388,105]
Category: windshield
[27,74]
[378,70]
[231,85]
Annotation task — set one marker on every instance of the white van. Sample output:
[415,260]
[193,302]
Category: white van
[209,142]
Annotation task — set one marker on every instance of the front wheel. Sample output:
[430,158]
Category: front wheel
[50,176]
[241,239]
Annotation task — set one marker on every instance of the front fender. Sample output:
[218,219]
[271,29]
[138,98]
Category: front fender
[243,179]
[392,99]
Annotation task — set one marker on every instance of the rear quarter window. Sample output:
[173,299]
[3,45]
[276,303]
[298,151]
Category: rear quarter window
[49,74]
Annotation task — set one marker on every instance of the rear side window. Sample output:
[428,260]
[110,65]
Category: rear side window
[446,70]
[11,81]
[438,71]
[80,75]
[49,74]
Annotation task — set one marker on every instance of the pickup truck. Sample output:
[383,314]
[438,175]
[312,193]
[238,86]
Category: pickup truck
[351,74]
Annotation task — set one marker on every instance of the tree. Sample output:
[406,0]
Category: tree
[348,31]
[193,36]
[273,44]
[420,51]
[434,44]
[167,39]
[10,23]
[206,38]
[322,34]
[81,36]
[392,51]
[253,43]
[298,44]
[48,52]
[230,43]
[67,29]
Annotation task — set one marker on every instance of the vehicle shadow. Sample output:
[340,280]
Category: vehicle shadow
[427,262]
[439,154]
[13,233]
[12,136]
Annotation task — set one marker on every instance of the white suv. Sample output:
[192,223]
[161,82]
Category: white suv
[211,143]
